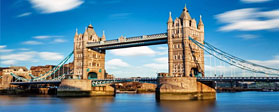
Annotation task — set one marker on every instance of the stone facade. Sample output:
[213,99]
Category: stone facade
[39,70]
[74,87]
[186,61]
[185,58]
[17,70]
[1,73]
[88,64]
[183,88]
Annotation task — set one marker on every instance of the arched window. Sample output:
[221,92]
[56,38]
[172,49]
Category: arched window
[92,75]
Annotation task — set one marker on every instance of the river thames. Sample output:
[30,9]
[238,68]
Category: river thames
[225,102]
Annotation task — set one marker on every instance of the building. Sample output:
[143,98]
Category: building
[109,76]
[88,64]
[16,70]
[39,70]
[67,69]
[185,58]
[1,73]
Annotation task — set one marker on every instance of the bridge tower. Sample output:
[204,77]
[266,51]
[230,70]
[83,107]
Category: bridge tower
[88,64]
[185,58]
[186,62]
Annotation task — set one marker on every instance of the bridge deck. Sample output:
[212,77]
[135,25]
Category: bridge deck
[129,42]
[36,82]
[226,79]
[201,79]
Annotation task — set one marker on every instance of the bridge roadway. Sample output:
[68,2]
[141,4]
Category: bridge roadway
[144,40]
[154,80]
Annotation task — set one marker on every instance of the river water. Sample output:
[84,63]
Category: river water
[225,102]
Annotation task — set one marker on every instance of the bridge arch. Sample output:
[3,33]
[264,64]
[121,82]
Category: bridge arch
[92,75]
[195,72]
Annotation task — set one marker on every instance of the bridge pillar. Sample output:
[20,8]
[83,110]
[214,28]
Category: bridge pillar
[104,90]
[183,88]
[76,87]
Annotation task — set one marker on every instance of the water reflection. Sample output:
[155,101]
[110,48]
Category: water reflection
[88,104]
[190,106]
[226,102]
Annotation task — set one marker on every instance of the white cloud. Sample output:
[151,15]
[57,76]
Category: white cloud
[2,46]
[116,63]
[52,6]
[254,1]
[249,19]
[24,14]
[162,48]
[45,37]
[32,42]
[135,51]
[269,63]
[50,56]
[23,56]
[3,50]
[31,56]
[161,64]
[59,41]
[24,49]
[248,36]
[8,62]
[162,60]
[157,66]
[6,50]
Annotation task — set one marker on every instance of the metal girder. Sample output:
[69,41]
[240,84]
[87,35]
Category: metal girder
[129,42]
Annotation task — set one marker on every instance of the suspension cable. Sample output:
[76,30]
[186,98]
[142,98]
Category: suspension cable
[235,61]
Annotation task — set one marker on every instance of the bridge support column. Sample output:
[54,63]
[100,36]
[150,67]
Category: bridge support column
[74,87]
[105,90]
[183,88]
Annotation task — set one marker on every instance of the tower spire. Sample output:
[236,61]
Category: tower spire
[185,14]
[76,32]
[170,18]
[185,8]
[200,22]
[104,36]
[86,31]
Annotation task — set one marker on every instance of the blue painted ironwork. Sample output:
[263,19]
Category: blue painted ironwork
[97,82]
[48,74]
[36,82]
[233,60]
[129,42]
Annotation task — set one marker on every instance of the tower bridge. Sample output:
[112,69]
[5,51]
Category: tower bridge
[186,78]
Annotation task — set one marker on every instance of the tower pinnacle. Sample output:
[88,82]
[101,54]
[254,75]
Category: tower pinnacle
[104,36]
[76,32]
[200,22]
[170,18]
[185,8]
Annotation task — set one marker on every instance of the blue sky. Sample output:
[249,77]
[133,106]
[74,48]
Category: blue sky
[40,32]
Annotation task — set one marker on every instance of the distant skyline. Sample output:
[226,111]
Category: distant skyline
[41,32]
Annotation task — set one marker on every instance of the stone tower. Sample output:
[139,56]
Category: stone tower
[88,64]
[185,58]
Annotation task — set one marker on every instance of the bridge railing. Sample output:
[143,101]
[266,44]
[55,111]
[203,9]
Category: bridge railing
[96,82]
[238,78]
